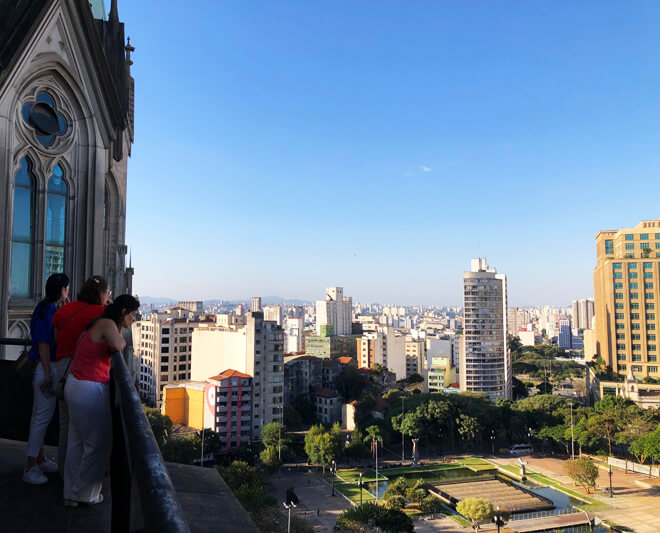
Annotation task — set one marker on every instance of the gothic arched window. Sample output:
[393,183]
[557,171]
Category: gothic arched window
[55,222]
[22,237]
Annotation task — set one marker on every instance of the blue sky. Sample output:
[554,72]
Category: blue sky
[282,147]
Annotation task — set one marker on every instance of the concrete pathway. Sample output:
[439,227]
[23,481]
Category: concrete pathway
[317,505]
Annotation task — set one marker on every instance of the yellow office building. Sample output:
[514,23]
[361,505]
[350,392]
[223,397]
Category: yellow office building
[627,295]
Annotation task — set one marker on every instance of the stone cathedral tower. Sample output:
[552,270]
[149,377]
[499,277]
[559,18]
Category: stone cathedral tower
[66,131]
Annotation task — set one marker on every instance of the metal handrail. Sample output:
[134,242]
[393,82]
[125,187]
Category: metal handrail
[159,505]
[15,342]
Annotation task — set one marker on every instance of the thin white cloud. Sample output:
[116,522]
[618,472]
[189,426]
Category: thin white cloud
[426,169]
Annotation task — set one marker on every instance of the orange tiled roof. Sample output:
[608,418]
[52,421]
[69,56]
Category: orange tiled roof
[229,373]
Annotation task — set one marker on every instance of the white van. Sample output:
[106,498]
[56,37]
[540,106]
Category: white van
[521,449]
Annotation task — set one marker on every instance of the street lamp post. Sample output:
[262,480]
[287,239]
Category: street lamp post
[498,519]
[360,488]
[403,442]
[610,472]
[279,438]
[334,471]
[291,504]
[572,439]
[492,442]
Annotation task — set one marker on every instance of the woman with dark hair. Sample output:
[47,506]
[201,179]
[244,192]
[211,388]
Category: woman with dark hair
[87,394]
[45,374]
[69,322]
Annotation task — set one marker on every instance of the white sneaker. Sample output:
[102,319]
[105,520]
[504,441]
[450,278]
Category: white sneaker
[48,465]
[33,476]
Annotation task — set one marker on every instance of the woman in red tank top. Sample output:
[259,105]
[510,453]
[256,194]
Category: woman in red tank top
[87,393]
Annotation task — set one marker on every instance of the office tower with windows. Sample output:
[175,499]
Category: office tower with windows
[565,334]
[485,363]
[256,304]
[626,292]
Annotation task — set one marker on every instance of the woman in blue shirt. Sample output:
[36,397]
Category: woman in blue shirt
[45,375]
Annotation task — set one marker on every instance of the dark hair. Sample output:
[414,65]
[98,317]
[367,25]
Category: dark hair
[54,285]
[123,302]
[92,289]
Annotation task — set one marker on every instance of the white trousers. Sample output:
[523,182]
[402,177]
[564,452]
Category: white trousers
[90,439]
[63,408]
[43,408]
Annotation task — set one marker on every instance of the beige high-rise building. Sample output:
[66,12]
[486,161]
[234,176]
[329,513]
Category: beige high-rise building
[253,346]
[626,280]
[414,356]
[162,347]
[485,362]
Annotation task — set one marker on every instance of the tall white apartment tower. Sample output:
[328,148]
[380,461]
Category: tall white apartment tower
[256,304]
[485,363]
[336,311]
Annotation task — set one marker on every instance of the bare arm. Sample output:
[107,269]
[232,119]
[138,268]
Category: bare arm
[44,356]
[111,335]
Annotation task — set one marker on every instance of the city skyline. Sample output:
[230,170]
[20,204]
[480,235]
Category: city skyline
[381,147]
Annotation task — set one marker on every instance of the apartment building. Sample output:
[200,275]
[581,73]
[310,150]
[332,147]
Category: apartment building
[293,334]
[626,295]
[485,363]
[336,310]
[255,348]
[162,346]
[414,356]
[383,347]
[222,403]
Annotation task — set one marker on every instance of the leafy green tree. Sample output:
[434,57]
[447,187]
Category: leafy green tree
[557,434]
[370,515]
[646,446]
[605,425]
[274,435]
[182,449]
[519,389]
[161,425]
[239,473]
[212,443]
[310,437]
[545,387]
[431,505]
[397,488]
[247,485]
[356,448]
[415,378]
[396,501]
[321,446]
[583,471]
[270,459]
[583,436]
[468,429]
[476,510]
[417,493]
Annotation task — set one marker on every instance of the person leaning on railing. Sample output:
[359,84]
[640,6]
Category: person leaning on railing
[87,394]
[69,324]
[45,376]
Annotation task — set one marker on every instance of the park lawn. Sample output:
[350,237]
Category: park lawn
[353,475]
[419,469]
[472,461]
[352,492]
[514,469]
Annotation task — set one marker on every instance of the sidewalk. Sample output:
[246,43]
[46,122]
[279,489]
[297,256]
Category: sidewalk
[314,495]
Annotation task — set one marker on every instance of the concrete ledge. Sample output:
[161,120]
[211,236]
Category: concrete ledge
[208,503]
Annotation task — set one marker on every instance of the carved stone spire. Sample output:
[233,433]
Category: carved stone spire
[113,16]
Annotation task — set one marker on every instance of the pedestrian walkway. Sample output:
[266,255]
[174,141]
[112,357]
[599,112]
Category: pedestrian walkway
[316,504]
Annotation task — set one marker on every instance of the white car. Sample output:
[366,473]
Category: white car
[521,449]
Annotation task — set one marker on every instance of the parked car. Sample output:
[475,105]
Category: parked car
[521,449]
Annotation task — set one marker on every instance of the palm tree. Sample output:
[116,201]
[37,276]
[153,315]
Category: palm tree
[373,435]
